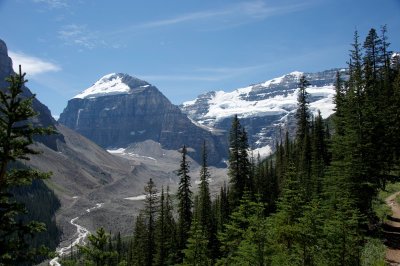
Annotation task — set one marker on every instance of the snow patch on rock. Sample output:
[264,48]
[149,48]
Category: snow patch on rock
[108,85]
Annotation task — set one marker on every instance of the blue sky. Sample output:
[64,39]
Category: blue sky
[184,47]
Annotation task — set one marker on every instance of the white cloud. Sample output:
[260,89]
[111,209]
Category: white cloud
[184,18]
[230,16]
[32,65]
[52,3]
[74,34]
[260,9]
[82,36]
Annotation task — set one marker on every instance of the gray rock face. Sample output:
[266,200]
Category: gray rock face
[5,63]
[44,117]
[266,109]
[142,113]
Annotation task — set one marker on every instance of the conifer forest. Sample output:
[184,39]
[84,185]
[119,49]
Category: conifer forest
[314,201]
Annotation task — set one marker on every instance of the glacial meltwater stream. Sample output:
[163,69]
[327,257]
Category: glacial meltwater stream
[81,234]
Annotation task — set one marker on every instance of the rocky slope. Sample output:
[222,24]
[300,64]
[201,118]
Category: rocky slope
[44,117]
[84,174]
[119,110]
[264,109]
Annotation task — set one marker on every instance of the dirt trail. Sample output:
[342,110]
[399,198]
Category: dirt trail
[392,231]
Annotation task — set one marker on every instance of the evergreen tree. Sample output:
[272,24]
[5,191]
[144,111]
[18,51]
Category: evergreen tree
[290,208]
[303,138]
[16,139]
[244,162]
[234,170]
[139,242]
[204,193]
[165,232]
[235,229]
[342,239]
[339,100]
[150,211]
[302,112]
[254,249]
[160,237]
[97,251]
[239,165]
[310,233]
[205,214]
[196,252]
[119,247]
[171,246]
[320,158]
[225,205]
[185,201]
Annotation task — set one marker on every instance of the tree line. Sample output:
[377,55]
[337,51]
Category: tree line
[309,203]
[23,236]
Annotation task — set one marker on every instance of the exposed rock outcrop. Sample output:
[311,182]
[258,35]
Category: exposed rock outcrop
[119,110]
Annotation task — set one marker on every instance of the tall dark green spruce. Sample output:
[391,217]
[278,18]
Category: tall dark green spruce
[138,249]
[319,154]
[235,230]
[239,165]
[363,147]
[302,112]
[150,212]
[206,217]
[204,205]
[303,138]
[185,202]
[165,232]
[16,139]
[160,235]
[98,252]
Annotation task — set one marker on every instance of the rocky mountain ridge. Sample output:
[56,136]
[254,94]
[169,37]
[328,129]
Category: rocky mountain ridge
[84,174]
[44,117]
[119,110]
[264,109]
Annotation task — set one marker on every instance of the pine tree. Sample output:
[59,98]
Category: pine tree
[254,248]
[239,165]
[97,249]
[320,158]
[290,208]
[196,252]
[160,237]
[204,205]
[225,204]
[339,100]
[16,139]
[171,246]
[244,162]
[303,138]
[139,244]
[342,241]
[165,232]
[302,112]
[150,211]
[119,247]
[235,229]
[310,233]
[185,201]
[236,178]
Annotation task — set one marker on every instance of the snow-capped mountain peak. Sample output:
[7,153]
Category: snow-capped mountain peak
[295,75]
[112,84]
[264,107]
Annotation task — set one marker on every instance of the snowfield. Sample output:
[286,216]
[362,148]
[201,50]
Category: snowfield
[227,104]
